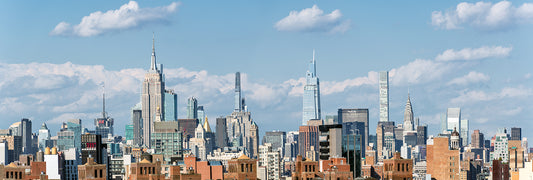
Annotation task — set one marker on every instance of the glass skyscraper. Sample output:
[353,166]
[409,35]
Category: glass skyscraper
[171,106]
[383,96]
[311,96]
[453,119]
[192,108]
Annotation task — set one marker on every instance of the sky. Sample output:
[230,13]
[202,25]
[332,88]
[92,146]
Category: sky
[55,56]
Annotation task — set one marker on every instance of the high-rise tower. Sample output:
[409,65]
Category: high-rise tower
[408,118]
[192,108]
[238,100]
[104,125]
[311,96]
[152,97]
[383,96]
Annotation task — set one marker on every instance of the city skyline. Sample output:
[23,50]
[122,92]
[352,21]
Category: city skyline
[481,68]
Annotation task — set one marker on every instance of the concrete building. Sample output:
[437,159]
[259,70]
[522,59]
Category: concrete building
[311,95]
[270,159]
[70,164]
[136,118]
[54,163]
[153,89]
[477,139]
[500,143]
[383,128]
[465,125]
[14,144]
[383,96]
[276,138]
[516,133]
[330,141]
[516,155]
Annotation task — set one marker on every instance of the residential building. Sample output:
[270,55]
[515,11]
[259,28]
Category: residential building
[383,96]
[167,140]
[305,169]
[477,139]
[397,168]
[308,139]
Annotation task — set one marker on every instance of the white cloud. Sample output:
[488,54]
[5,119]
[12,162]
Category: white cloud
[483,15]
[472,77]
[470,97]
[313,20]
[474,54]
[128,16]
[418,71]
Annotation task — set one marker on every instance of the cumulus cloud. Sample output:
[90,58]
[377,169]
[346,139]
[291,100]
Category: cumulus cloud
[472,77]
[483,15]
[474,96]
[128,16]
[474,54]
[313,20]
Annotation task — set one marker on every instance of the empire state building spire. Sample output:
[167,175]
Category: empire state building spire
[152,65]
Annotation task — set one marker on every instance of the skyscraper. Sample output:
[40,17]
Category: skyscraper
[104,125]
[477,139]
[311,96]
[453,118]
[200,113]
[44,137]
[238,100]
[383,96]
[136,118]
[356,115]
[464,131]
[221,133]
[152,97]
[408,118]
[192,108]
[171,106]
[25,132]
[516,133]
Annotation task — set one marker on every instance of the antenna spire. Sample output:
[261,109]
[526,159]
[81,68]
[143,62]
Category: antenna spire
[103,101]
[152,66]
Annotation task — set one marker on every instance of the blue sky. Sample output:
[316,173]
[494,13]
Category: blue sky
[474,55]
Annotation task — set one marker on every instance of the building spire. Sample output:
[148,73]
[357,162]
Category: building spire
[152,65]
[103,101]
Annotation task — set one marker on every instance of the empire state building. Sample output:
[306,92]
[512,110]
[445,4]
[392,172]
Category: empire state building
[152,97]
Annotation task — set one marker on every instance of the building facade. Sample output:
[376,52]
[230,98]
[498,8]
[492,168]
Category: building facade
[311,95]
[383,96]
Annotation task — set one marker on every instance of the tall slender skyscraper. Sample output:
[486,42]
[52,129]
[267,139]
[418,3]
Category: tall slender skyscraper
[238,100]
[192,108]
[152,97]
[311,96]
[25,126]
[383,96]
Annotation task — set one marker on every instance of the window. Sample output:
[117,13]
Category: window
[101,173]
